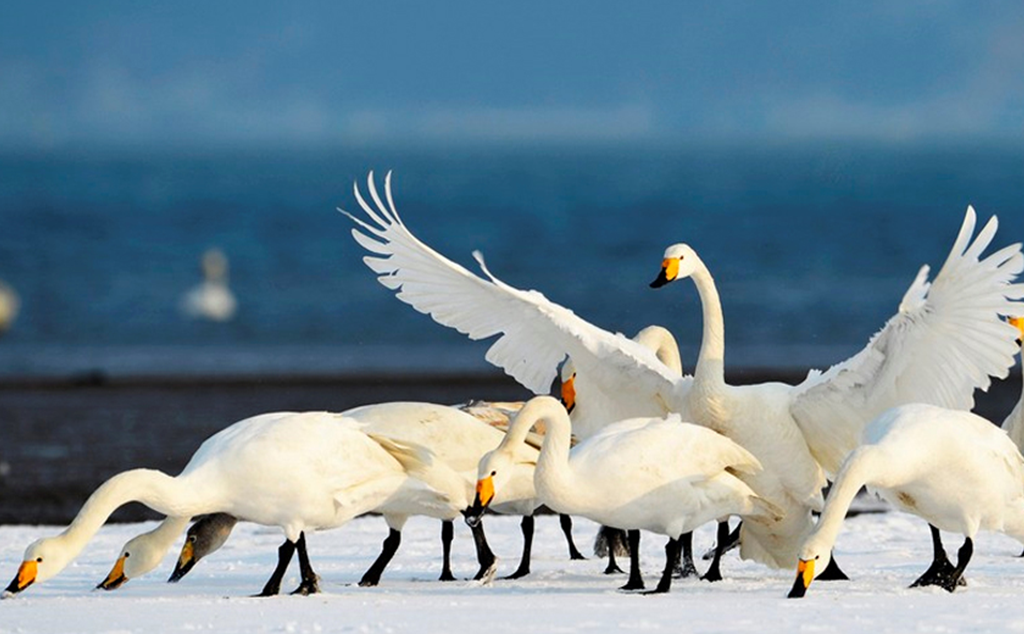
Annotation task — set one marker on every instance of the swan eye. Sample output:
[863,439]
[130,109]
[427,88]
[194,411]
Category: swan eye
[817,557]
[494,473]
[127,555]
[39,560]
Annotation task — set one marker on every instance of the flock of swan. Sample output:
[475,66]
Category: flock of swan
[634,443]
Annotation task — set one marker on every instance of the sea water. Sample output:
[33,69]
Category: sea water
[812,246]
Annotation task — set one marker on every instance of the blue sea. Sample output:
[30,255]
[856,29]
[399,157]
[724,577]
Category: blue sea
[812,246]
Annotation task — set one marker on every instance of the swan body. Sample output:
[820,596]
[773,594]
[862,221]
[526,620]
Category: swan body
[591,408]
[212,298]
[952,468]
[1014,423]
[945,341]
[660,475]
[296,471]
[455,440]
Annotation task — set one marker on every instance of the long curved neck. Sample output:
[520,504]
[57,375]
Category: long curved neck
[664,345]
[553,472]
[856,472]
[711,361]
[155,489]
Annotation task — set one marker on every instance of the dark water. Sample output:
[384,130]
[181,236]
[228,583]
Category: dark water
[812,246]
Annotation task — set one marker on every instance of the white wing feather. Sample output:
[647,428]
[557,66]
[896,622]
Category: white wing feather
[946,340]
[533,334]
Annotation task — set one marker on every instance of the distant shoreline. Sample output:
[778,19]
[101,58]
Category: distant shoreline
[63,436]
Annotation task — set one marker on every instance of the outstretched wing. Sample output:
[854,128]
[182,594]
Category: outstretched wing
[946,340]
[533,334]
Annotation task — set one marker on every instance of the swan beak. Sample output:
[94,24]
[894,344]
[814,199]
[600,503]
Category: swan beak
[484,495]
[116,578]
[669,272]
[804,577]
[569,394]
[1019,323]
[26,577]
[185,562]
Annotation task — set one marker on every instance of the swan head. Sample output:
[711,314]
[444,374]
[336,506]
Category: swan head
[814,559]
[43,559]
[679,261]
[1018,322]
[204,537]
[138,556]
[568,375]
[496,468]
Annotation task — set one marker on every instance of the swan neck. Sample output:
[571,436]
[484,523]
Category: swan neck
[552,473]
[155,489]
[855,473]
[711,360]
[664,345]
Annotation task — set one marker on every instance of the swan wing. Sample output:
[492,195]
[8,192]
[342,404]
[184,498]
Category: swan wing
[945,341]
[533,334]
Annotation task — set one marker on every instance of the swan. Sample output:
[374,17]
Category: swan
[212,299]
[952,468]
[297,471]
[1014,423]
[9,305]
[945,341]
[587,409]
[654,474]
[455,438]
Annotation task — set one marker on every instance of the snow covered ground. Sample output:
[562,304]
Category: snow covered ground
[882,552]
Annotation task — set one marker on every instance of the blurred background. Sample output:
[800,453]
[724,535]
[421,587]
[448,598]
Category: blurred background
[170,173]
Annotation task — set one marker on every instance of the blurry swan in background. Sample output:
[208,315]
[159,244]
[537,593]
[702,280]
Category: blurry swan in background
[211,299]
[9,305]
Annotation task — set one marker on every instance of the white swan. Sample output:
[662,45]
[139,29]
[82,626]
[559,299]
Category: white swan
[944,342]
[212,299]
[653,474]
[952,468]
[298,471]
[1014,423]
[456,441]
[9,305]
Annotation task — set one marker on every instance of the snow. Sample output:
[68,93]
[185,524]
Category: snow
[882,552]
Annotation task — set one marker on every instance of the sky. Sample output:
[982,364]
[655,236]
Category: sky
[326,73]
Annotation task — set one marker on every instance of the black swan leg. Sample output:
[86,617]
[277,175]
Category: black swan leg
[636,580]
[484,555]
[672,548]
[682,565]
[565,521]
[611,541]
[447,535]
[526,525]
[941,569]
[714,572]
[310,582]
[284,557]
[388,549]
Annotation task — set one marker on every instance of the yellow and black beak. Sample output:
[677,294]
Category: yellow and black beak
[186,560]
[804,577]
[484,495]
[116,578]
[1019,323]
[669,272]
[569,394]
[26,576]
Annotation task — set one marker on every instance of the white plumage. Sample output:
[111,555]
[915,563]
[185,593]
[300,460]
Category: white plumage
[297,471]
[945,341]
[952,468]
[653,474]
